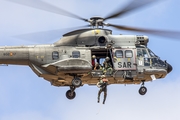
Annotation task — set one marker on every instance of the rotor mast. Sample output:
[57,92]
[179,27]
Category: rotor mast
[95,22]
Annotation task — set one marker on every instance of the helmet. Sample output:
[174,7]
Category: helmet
[107,58]
[103,76]
[93,56]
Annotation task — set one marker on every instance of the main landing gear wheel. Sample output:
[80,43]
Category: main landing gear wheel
[76,82]
[70,94]
[142,90]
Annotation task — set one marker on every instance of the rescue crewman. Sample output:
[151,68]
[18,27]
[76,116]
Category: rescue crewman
[97,66]
[93,61]
[103,87]
[107,66]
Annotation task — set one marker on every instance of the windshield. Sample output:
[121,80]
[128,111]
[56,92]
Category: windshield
[151,53]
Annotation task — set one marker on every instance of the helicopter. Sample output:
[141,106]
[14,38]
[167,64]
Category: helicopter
[68,62]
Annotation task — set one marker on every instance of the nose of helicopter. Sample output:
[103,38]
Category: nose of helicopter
[169,68]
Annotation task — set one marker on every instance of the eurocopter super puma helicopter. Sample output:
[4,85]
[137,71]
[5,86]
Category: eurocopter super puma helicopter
[68,62]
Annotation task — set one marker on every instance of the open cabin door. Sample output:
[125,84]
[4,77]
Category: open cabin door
[124,60]
[100,56]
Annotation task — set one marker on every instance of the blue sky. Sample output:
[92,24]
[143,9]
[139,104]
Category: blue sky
[24,96]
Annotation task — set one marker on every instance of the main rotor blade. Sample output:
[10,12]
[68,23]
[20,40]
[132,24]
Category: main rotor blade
[46,36]
[163,33]
[135,4]
[38,4]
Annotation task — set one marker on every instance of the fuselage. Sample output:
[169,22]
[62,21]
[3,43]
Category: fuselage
[131,60]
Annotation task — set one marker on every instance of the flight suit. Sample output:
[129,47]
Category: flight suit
[103,88]
[107,67]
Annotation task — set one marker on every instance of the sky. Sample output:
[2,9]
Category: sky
[25,96]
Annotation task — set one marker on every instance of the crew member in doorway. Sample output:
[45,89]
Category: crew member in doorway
[93,61]
[97,66]
[102,84]
[107,66]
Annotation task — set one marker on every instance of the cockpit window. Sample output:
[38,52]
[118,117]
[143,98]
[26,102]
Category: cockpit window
[139,53]
[128,53]
[151,53]
[119,53]
[145,54]
[142,53]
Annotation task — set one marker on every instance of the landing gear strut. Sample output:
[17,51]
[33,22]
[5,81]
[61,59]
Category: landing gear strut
[71,94]
[143,89]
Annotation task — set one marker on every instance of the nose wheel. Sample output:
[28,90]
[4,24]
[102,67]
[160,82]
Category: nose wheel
[142,89]
[71,94]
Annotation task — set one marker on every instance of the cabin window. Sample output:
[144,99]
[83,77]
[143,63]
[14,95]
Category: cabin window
[55,55]
[119,53]
[76,54]
[128,54]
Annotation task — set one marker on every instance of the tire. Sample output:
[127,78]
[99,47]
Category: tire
[142,90]
[76,82]
[70,95]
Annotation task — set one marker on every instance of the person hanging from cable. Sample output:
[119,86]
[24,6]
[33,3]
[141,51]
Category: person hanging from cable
[102,84]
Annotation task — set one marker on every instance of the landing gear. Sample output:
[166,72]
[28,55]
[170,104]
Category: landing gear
[76,81]
[71,94]
[143,89]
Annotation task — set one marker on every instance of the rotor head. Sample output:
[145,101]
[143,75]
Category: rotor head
[96,21]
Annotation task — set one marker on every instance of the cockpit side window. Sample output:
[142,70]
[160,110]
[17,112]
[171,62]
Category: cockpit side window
[145,54]
[139,53]
[76,54]
[142,53]
[119,54]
